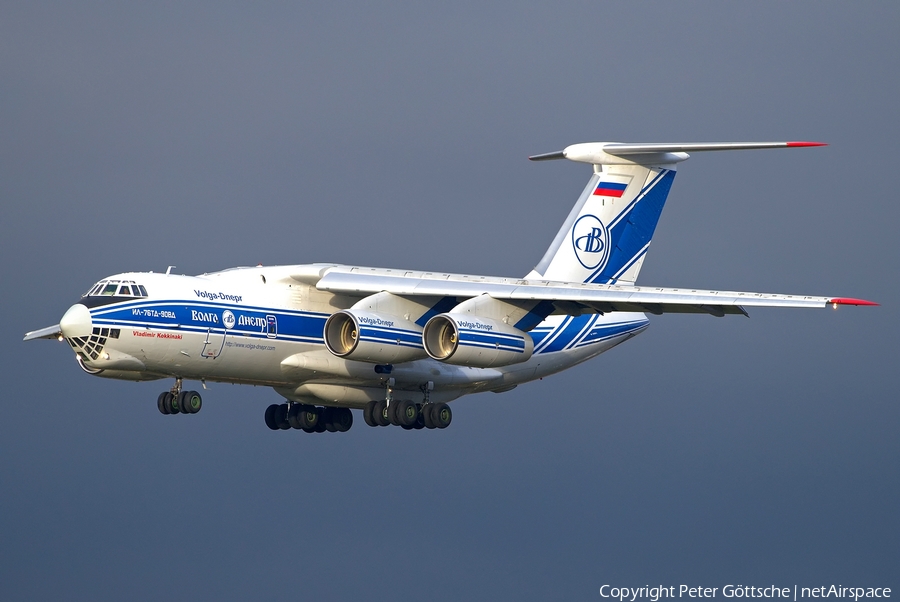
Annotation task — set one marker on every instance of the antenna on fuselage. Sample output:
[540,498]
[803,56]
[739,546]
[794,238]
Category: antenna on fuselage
[169,269]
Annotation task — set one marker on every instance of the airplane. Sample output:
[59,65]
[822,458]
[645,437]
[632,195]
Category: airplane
[401,344]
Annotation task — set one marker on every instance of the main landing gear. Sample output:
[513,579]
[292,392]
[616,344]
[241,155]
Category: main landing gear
[408,414]
[307,418]
[403,413]
[176,401]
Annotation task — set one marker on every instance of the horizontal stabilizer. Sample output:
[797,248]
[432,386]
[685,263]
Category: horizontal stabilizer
[51,332]
[605,153]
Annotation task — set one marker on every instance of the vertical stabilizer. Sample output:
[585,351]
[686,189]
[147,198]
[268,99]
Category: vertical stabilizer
[606,236]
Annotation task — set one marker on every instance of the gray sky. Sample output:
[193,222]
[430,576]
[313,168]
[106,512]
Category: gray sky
[706,451]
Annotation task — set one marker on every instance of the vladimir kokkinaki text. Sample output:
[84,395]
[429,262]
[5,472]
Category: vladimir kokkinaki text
[795,593]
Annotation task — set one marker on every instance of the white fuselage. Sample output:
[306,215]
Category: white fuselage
[262,326]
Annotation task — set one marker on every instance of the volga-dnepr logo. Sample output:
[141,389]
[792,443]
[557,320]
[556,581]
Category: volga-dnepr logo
[590,239]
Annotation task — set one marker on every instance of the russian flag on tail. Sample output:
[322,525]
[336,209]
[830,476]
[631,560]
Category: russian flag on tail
[613,189]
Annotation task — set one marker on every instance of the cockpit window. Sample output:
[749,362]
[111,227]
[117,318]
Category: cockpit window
[116,288]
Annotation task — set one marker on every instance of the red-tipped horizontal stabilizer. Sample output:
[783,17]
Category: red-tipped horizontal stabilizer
[655,153]
[851,301]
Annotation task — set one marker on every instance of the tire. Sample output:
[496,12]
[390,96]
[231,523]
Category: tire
[329,416]
[173,404]
[320,424]
[281,418]
[420,419]
[407,413]
[369,413]
[380,414]
[426,416]
[392,412]
[343,419]
[162,403]
[309,417]
[294,416]
[271,412]
[441,415]
[190,402]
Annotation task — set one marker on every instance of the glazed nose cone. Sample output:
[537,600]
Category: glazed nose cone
[76,322]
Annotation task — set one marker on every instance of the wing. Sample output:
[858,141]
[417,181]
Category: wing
[51,332]
[568,297]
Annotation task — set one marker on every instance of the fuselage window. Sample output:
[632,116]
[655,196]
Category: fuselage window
[143,291]
[124,290]
[110,290]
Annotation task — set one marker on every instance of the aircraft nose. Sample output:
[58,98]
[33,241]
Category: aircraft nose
[76,322]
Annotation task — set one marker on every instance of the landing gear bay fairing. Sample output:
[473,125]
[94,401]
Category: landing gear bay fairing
[401,344]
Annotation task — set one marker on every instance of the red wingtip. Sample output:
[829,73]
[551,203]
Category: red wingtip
[792,144]
[851,301]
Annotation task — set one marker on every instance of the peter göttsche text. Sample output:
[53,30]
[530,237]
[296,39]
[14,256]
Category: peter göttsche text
[795,593]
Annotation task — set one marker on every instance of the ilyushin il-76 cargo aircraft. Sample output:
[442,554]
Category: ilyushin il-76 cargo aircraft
[401,344]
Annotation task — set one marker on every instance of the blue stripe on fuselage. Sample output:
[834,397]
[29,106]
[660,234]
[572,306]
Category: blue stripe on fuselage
[580,332]
[202,316]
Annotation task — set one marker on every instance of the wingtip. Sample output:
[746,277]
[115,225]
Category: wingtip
[802,144]
[850,301]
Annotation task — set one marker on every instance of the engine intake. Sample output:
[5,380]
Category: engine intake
[465,340]
[373,337]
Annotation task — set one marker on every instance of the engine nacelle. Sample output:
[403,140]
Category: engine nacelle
[466,340]
[373,337]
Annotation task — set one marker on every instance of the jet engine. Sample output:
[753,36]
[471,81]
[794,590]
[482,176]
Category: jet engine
[372,337]
[466,340]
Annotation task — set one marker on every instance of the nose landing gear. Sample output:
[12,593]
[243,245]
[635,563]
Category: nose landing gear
[176,401]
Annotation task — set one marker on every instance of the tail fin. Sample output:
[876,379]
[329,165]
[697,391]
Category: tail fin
[606,236]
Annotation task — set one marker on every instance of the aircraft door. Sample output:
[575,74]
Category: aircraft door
[213,344]
[214,341]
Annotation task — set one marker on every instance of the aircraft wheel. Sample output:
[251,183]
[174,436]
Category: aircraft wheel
[369,413]
[329,416]
[190,402]
[320,423]
[441,415]
[281,418]
[426,416]
[162,402]
[420,419]
[407,413]
[173,404]
[392,412]
[308,417]
[271,413]
[381,414]
[294,416]
[342,419]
